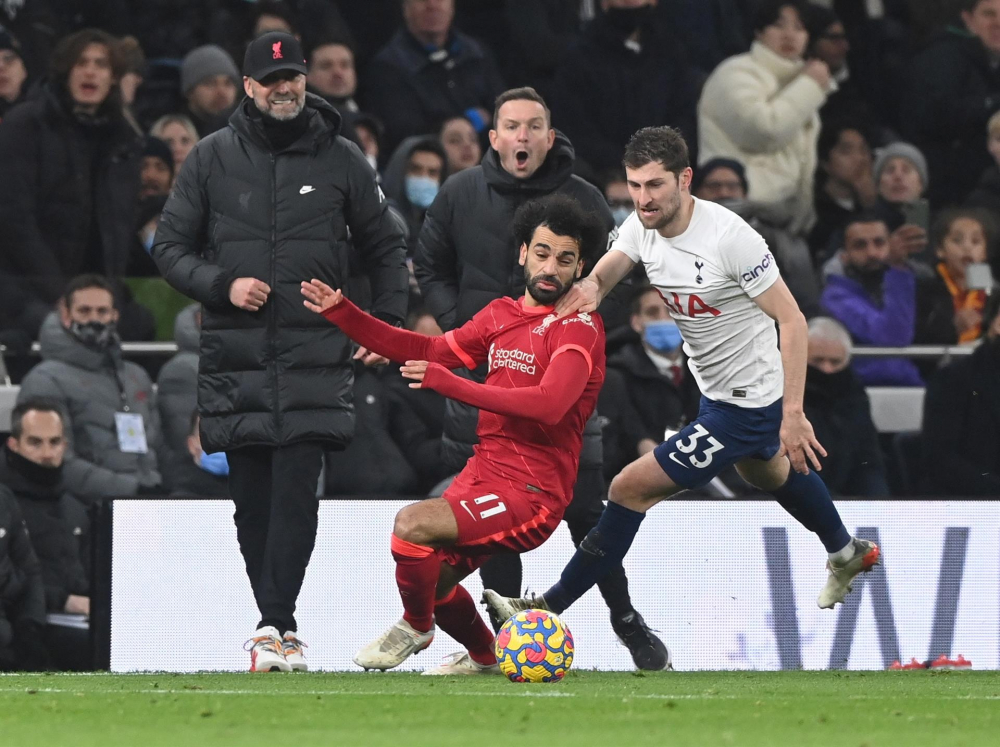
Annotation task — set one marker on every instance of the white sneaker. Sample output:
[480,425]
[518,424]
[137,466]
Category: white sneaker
[393,647]
[292,647]
[501,609]
[838,584]
[266,651]
[462,663]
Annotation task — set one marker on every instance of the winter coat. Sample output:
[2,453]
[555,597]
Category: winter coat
[412,94]
[282,374]
[89,384]
[466,258]
[22,593]
[842,421]
[935,312]
[890,322]
[759,109]
[177,383]
[59,527]
[961,433]
[67,196]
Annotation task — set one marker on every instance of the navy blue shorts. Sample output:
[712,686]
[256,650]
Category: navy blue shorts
[721,435]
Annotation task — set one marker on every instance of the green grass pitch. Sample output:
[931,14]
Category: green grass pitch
[845,709]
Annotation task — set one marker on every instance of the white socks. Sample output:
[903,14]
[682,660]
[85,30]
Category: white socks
[843,554]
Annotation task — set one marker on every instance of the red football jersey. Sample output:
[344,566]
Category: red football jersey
[518,343]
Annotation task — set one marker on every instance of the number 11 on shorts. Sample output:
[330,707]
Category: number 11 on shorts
[487,513]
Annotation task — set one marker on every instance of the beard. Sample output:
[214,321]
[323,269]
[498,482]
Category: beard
[283,116]
[545,296]
[667,213]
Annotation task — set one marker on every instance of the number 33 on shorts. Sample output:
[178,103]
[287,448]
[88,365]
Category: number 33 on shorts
[688,447]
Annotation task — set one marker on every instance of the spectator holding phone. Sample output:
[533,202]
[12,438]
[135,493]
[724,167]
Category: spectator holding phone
[901,178]
[949,303]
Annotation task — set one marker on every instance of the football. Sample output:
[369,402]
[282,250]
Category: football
[534,646]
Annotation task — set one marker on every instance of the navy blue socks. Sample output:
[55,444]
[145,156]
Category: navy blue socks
[807,499]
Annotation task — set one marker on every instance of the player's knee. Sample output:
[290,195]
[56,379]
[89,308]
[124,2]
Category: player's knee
[410,527]
[625,492]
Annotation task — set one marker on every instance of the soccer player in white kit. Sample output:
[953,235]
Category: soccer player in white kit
[722,287]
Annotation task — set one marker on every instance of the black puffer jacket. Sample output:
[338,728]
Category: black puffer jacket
[67,194]
[22,595]
[281,374]
[466,258]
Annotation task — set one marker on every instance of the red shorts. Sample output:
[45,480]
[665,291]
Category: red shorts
[494,518]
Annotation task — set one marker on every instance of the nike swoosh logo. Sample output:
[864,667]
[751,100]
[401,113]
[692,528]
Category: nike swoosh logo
[673,455]
[306,190]
[467,510]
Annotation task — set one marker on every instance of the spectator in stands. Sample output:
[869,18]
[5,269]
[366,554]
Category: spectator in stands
[712,30]
[428,72]
[332,75]
[107,404]
[209,80]
[273,15]
[22,593]
[953,90]
[837,405]
[987,191]
[156,169]
[369,131]
[177,386]
[461,144]
[845,182]
[32,469]
[617,195]
[761,109]
[647,388]
[466,257]
[134,65]
[179,133]
[540,33]
[875,299]
[961,432]
[901,175]
[828,42]
[412,179]
[724,181]
[70,172]
[949,312]
[13,73]
[196,473]
[639,76]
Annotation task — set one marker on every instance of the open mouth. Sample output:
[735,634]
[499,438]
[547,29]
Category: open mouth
[88,88]
[521,158]
[648,212]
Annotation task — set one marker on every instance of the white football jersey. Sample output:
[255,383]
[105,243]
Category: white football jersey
[707,276]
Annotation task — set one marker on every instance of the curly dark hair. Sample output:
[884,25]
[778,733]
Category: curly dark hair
[564,216]
[657,144]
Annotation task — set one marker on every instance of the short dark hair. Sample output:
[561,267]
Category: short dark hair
[562,215]
[82,282]
[328,41]
[40,404]
[769,11]
[278,9]
[68,50]
[524,93]
[663,145]
[638,294]
[942,224]
[864,216]
[431,145]
[829,135]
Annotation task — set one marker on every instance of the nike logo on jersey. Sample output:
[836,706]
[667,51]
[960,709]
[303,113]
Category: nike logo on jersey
[307,189]
[468,510]
[673,455]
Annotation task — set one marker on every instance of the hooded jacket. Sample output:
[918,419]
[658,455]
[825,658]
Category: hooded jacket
[177,383]
[92,385]
[282,374]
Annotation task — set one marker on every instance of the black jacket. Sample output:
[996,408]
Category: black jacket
[961,432]
[639,402]
[935,312]
[281,374]
[412,94]
[841,418]
[58,526]
[22,594]
[466,258]
[67,194]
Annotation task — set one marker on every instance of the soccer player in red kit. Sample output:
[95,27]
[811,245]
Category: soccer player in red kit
[544,377]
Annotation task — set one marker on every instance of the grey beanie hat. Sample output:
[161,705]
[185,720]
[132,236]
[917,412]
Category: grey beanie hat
[204,62]
[900,150]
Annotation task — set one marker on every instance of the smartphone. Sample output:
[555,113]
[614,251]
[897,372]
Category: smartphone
[978,276]
[918,213]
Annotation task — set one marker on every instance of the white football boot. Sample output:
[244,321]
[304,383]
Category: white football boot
[393,647]
[292,647]
[266,653]
[838,584]
[501,609]
[462,664]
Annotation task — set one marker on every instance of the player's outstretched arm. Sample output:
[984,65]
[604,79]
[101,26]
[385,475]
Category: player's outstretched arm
[587,294]
[798,440]
[548,402]
[381,338]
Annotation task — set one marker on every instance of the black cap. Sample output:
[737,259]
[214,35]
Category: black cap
[271,52]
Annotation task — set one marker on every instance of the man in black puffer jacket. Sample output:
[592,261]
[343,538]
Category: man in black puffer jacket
[275,198]
[466,257]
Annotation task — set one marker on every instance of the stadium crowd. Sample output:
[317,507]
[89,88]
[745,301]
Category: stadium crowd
[861,139]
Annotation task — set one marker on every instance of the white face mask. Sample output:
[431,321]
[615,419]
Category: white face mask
[372,161]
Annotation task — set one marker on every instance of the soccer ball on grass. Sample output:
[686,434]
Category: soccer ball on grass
[534,646]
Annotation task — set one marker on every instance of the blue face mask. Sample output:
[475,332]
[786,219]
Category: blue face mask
[215,464]
[421,191]
[663,337]
[620,213]
[147,240]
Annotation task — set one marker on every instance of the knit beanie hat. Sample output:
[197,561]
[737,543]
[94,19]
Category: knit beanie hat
[900,150]
[204,62]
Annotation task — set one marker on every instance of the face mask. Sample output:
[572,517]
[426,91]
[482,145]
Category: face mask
[37,474]
[215,464]
[620,214]
[421,191]
[147,239]
[372,161]
[663,337]
[93,334]
[831,384]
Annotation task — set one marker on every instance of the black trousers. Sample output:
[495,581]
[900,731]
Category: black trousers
[502,573]
[274,489]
